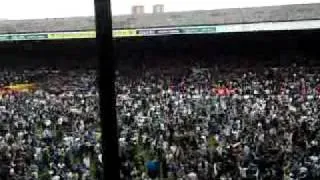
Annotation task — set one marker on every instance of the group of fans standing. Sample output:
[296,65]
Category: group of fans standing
[49,129]
[217,122]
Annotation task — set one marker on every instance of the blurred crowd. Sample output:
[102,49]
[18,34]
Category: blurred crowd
[52,130]
[178,122]
[217,122]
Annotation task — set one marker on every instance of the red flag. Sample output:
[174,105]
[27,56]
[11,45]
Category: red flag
[318,88]
[221,92]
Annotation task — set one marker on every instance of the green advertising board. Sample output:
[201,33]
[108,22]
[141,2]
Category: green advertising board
[23,37]
[5,38]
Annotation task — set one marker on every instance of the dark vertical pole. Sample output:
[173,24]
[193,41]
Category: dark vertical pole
[107,90]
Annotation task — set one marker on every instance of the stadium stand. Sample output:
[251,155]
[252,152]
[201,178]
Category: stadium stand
[213,17]
[222,106]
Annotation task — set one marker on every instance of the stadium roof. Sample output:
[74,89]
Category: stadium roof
[211,17]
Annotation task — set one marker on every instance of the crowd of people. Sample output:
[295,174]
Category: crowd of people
[49,131]
[217,122]
[186,122]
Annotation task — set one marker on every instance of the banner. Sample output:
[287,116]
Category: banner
[158,31]
[23,37]
[208,29]
[199,30]
[5,38]
[124,33]
[177,30]
[21,87]
[168,31]
[146,32]
[116,33]
[72,35]
[224,91]
[19,37]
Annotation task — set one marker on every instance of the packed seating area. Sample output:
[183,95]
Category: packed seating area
[50,131]
[220,122]
[179,117]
